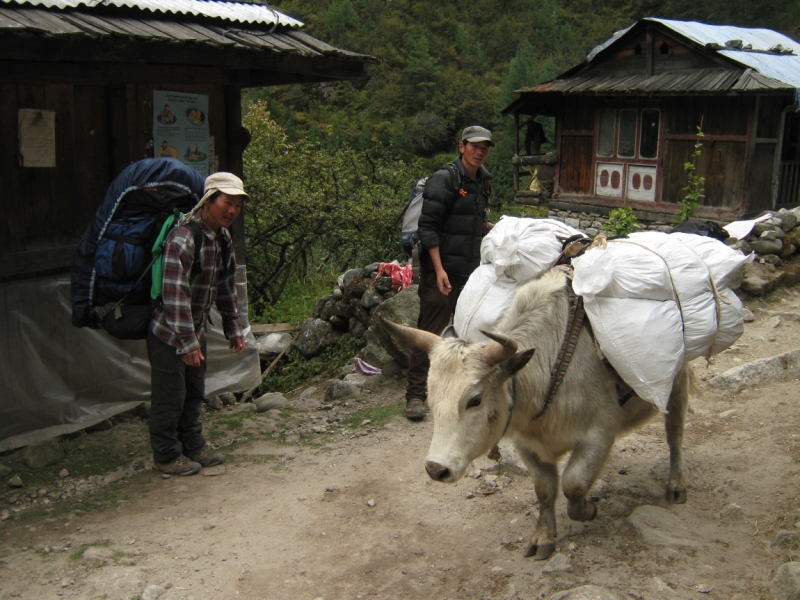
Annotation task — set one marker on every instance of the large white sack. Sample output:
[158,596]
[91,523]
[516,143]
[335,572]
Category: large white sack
[657,266]
[731,324]
[524,248]
[482,302]
[643,341]
[723,262]
[622,271]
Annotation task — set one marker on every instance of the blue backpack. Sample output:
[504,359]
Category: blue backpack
[111,270]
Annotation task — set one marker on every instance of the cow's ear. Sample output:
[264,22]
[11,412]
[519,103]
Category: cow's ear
[516,362]
[449,332]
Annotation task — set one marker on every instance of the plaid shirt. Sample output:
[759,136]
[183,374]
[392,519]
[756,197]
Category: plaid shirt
[181,317]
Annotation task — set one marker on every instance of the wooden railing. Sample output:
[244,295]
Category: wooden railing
[789,183]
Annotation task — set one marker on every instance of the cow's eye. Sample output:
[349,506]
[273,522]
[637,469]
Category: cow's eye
[474,401]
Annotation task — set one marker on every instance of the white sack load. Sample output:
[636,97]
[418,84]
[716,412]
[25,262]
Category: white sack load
[685,273]
[524,248]
[482,302]
[515,251]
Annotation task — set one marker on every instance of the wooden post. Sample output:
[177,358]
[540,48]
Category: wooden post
[516,151]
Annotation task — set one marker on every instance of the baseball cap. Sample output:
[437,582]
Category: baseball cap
[227,183]
[476,133]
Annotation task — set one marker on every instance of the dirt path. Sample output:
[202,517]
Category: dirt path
[357,517]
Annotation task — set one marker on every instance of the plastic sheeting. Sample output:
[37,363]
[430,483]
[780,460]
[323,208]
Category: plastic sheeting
[56,378]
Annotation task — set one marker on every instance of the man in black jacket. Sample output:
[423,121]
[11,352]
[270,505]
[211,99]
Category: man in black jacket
[451,227]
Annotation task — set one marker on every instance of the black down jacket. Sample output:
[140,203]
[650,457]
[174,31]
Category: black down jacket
[452,218]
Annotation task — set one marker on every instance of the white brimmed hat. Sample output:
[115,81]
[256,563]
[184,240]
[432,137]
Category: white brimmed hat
[227,183]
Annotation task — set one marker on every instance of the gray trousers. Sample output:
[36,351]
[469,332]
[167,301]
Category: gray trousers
[177,393]
[435,312]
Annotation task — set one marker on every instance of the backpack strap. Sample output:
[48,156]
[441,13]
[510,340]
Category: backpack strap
[197,263]
[455,176]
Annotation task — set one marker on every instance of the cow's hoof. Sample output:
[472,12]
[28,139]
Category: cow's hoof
[676,496]
[540,551]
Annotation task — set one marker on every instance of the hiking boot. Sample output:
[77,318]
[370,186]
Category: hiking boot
[207,458]
[416,409]
[179,466]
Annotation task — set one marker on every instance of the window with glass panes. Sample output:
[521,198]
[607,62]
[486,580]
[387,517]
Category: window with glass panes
[627,147]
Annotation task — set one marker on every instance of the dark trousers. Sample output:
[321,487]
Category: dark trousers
[177,393]
[435,311]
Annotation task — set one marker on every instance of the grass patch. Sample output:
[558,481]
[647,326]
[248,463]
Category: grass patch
[297,301]
[90,455]
[100,499]
[294,370]
[790,542]
[377,415]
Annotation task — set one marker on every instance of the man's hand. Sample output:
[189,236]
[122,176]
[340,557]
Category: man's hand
[487,227]
[193,358]
[443,282]
[237,345]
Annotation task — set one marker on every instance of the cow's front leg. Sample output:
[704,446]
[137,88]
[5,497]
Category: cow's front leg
[580,473]
[545,479]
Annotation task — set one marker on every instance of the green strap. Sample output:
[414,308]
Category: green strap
[158,256]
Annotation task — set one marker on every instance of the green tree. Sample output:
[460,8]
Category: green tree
[311,207]
[341,23]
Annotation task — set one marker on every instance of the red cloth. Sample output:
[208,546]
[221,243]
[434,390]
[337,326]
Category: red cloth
[401,274]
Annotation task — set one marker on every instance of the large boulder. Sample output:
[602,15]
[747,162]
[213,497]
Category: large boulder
[43,454]
[315,336]
[756,281]
[374,353]
[786,584]
[402,309]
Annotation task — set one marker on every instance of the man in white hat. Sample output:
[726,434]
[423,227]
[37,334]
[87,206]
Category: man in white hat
[454,219]
[199,271]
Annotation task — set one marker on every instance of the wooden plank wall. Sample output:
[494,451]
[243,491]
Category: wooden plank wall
[576,155]
[100,129]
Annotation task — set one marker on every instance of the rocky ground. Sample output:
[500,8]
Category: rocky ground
[328,499]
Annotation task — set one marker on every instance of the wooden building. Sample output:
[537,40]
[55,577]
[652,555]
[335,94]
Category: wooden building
[625,123]
[78,80]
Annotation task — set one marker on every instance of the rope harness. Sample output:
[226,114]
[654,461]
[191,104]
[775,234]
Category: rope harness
[575,320]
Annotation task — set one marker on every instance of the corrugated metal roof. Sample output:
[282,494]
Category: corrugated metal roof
[781,67]
[774,66]
[238,12]
[702,81]
[219,34]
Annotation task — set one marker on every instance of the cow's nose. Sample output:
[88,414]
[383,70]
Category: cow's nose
[436,471]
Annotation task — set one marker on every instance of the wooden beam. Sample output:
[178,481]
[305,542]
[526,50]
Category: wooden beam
[113,51]
[265,328]
[536,159]
[27,263]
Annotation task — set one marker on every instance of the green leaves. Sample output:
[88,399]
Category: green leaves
[316,206]
[621,221]
[695,186]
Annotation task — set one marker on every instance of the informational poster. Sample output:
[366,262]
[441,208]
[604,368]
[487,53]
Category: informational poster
[180,128]
[37,137]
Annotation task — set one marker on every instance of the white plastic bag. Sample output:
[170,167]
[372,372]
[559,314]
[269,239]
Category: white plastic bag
[482,302]
[643,341]
[524,248]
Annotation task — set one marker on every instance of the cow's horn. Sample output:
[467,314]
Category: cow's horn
[503,348]
[424,340]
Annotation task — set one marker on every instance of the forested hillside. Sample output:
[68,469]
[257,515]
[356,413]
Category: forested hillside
[445,64]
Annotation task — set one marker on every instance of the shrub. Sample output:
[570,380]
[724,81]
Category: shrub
[621,221]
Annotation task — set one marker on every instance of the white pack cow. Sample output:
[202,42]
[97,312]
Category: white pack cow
[480,392]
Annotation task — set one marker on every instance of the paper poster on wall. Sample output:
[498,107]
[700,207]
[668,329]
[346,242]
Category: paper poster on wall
[37,137]
[180,128]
